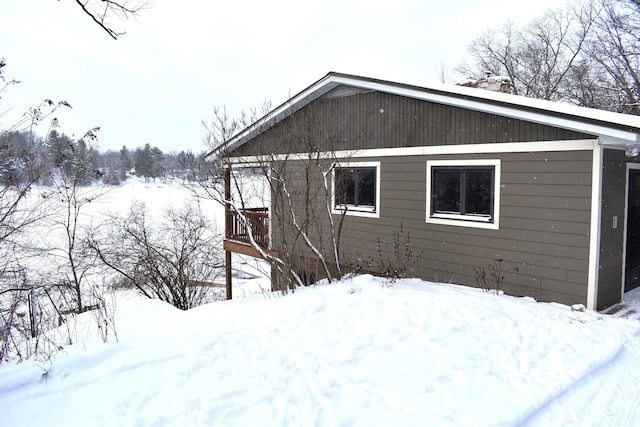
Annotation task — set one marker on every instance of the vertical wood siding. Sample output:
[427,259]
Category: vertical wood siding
[380,120]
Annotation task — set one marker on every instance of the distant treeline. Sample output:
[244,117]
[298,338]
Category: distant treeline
[25,157]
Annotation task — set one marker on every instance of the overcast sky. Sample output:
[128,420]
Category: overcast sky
[159,81]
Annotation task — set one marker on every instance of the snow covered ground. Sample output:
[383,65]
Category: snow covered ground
[354,353]
[357,352]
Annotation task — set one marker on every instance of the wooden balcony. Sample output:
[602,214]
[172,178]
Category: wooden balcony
[251,220]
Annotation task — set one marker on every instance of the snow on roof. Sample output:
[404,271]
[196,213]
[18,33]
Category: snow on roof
[612,128]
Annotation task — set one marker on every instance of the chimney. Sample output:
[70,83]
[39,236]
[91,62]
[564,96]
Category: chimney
[489,82]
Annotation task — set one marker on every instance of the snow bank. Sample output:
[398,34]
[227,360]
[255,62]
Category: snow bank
[351,353]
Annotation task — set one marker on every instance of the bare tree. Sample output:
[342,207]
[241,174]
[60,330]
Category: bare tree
[220,128]
[615,49]
[443,73]
[31,118]
[537,58]
[587,53]
[296,172]
[32,303]
[102,12]
[4,84]
[175,258]
[77,262]
[20,210]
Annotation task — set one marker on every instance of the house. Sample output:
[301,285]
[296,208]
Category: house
[447,181]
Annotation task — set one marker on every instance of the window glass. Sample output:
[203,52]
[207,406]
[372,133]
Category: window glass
[366,179]
[478,192]
[462,190]
[447,191]
[355,187]
[345,186]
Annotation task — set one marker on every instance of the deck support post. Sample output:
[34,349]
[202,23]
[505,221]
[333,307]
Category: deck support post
[227,228]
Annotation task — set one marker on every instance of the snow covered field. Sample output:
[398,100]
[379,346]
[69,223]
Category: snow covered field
[358,352]
[50,235]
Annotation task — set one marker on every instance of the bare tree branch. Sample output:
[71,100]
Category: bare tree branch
[587,53]
[101,12]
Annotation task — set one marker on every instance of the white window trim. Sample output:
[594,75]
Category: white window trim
[466,220]
[352,210]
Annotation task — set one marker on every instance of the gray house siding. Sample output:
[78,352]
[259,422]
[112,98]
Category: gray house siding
[381,120]
[543,239]
[614,176]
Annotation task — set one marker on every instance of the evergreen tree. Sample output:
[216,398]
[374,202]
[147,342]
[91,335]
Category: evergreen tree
[157,163]
[59,150]
[15,158]
[125,163]
[149,162]
[143,162]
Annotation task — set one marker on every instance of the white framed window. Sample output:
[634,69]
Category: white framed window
[356,189]
[463,193]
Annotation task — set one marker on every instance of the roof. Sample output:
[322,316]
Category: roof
[611,128]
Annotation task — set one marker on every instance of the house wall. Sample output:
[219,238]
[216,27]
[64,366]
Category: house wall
[614,187]
[545,197]
[543,238]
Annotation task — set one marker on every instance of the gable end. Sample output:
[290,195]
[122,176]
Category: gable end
[373,120]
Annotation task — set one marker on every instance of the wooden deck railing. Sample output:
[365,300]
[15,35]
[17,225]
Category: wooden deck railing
[257,222]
